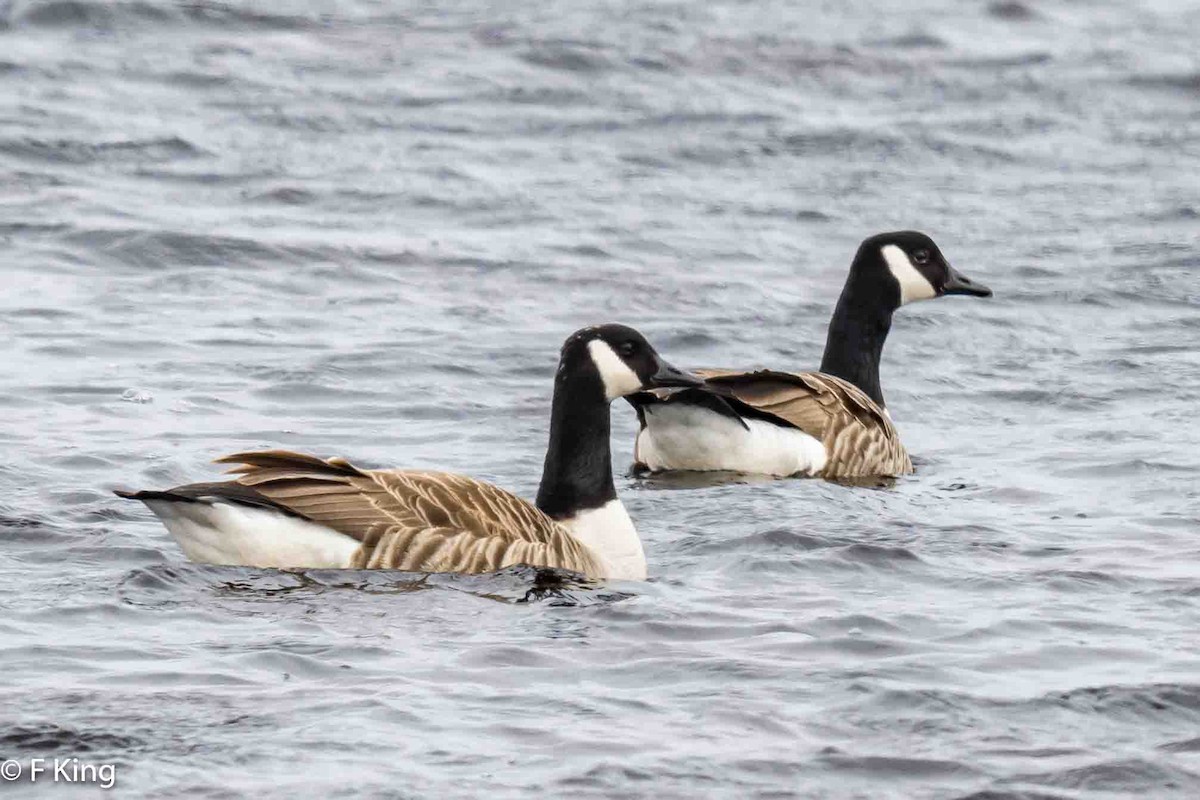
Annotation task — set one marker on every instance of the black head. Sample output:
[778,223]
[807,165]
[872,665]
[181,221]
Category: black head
[622,359]
[911,264]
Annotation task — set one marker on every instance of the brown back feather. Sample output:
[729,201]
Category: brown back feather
[860,439]
[412,520]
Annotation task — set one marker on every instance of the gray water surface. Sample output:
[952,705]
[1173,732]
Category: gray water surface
[364,228]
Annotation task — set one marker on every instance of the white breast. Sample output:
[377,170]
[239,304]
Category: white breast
[681,436]
[609,532]
[232,534]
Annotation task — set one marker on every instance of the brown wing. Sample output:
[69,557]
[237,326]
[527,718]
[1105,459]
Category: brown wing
[860,439]
[415,521]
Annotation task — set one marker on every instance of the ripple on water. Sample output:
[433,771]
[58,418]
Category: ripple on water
[1135,776]
[892,767]
[165,583]
[51,738]
[1188,82]
[776,539]
[60,151]
[154,249]
[95,14]
[1014,794]
[1145,702]
[1011,10]
[878,556]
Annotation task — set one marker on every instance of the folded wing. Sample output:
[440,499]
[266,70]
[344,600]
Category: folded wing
[410,520]
[859,437]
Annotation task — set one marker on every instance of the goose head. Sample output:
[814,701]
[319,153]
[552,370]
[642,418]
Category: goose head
[619,361]
[908,266]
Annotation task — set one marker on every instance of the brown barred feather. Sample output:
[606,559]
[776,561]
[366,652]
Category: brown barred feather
[860,439]
[413,520]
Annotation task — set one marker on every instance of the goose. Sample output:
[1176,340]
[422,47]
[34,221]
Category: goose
[290,510]
[831,424]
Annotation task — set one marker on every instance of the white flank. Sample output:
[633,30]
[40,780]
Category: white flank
[231,534]
[913,285]
[619,379]
[610,534]
[687,437]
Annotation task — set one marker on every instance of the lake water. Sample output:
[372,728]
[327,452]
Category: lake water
[364,229]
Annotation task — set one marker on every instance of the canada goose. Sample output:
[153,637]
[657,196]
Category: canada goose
[831,424]
[291,510]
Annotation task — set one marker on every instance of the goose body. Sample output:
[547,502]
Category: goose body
[831,424]
[681,432]
[773,423]
[291,510]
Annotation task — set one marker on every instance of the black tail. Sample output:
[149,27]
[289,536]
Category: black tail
[224,491]
[150,495]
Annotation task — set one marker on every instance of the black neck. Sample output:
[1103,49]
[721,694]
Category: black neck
[578,471]
[858,330]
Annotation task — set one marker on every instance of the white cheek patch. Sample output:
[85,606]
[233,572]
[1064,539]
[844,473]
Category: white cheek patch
[619,379]
[913,285]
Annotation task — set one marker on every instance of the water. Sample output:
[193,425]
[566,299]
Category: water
[364,229]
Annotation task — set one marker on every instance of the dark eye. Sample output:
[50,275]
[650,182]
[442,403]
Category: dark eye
[627,348]
[921,257]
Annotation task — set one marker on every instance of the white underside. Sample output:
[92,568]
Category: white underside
[610,534]
[678,436]
[232,534]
